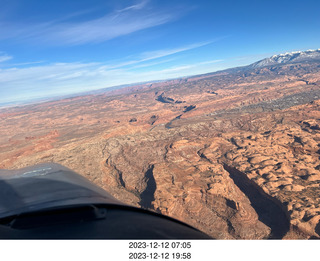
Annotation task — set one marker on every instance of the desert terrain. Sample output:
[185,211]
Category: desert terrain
[233,153]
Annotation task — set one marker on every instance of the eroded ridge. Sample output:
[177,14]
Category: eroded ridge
[269,209]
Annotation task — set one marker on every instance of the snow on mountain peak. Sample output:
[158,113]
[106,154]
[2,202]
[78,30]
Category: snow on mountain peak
[292,57]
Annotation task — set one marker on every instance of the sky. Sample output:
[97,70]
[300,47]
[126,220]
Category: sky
[54,47]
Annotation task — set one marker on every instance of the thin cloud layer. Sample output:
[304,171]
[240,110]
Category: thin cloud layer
[162,53]
[137,6]
[67,78]
[71,37]
[157,54]
[105,28]
[4,57]
[118,23]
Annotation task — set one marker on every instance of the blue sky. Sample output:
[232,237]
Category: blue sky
[53,47]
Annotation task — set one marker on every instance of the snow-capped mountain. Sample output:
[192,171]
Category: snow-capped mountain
[293,57]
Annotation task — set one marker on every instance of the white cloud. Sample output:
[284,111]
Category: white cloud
[103,29]
[162,53]
[153,55]
[182,70]
[143,65]
[135,7]
[66,78]
[209,62]
[26,63]
[114,24]
[4,57]
[43,80]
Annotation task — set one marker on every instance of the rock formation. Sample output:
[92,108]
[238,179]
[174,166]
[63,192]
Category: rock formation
[233,153]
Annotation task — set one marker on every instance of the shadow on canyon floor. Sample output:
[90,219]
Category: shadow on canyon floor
[269,211]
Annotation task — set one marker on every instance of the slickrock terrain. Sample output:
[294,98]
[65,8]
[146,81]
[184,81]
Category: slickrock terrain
[233,153]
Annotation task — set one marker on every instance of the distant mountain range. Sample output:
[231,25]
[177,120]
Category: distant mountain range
[294,57]
[309,56]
